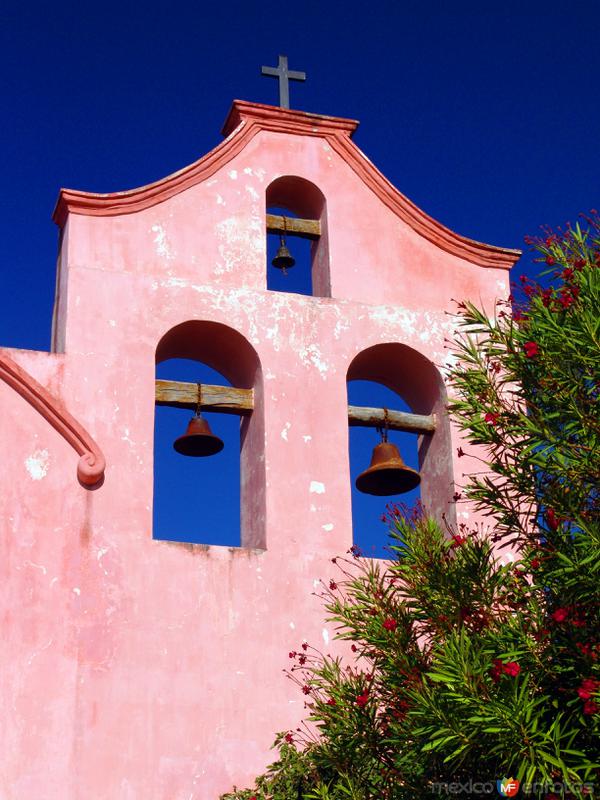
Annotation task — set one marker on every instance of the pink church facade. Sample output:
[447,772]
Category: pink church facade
[137,668]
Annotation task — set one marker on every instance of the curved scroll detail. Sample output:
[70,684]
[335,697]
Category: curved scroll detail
[91,464]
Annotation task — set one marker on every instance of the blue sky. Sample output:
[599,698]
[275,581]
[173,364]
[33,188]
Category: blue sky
[484,114]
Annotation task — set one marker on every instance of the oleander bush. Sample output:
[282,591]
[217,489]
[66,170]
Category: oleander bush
[464,666]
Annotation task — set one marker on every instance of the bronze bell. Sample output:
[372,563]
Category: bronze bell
[283,259]
[387,473]
[198,440]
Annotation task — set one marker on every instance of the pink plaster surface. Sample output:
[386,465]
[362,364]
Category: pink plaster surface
[135,668]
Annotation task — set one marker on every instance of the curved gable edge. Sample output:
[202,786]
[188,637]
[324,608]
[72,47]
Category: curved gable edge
[249,119]
[484,255]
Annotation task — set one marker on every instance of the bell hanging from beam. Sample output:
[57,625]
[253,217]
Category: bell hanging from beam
[198,440]
[283,259]
[387,474]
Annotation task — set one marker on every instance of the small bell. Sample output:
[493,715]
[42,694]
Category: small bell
[198,440]
[283,259]
[387,473]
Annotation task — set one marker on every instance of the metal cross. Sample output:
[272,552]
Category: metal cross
[285,75]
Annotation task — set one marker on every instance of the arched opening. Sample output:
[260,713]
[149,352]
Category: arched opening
[296,215]
[369,530]
[395,376]
[198,499]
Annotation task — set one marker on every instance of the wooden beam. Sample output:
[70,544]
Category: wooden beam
[226,399]
[229,400]
[397,420]
[307,228]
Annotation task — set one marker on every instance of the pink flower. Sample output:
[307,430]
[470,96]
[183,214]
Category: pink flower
[458,540]
[491,417]
[289,738]
[362,699]
[531,349]
[499,668]
[566,298]
[496,670]
[552,519]
[590,707]
[560,615]
[588,687]
[306,689]
[390,624]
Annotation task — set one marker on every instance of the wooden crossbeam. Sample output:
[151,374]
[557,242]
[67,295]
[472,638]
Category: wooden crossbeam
[229,400]
[366,417]
[225,399]
[306,228]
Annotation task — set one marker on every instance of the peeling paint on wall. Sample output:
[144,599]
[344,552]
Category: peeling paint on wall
[38,464]
[317,487]
[163,247]
[238,243]
[311,355]
[257,172]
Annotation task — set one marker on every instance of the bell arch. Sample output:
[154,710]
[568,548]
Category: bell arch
[228,352]
[297,209]
[419,383]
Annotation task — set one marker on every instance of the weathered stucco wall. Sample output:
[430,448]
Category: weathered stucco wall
[140,668]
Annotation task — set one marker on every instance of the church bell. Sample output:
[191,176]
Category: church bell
[283,260]
[198,440]
[387,474]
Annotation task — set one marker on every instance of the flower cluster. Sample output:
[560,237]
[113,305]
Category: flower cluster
[500,668]
[589,687]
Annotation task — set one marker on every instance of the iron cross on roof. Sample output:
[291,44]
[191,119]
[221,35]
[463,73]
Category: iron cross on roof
[285,75]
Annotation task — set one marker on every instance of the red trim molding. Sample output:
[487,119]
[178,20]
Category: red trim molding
[243,122]
[91,464]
